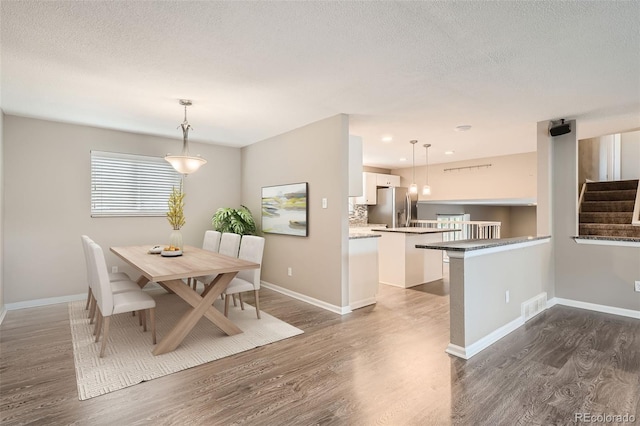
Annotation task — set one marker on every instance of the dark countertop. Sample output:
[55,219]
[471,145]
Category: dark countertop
[415,230]
[467,245]
[598,237]
[361,235]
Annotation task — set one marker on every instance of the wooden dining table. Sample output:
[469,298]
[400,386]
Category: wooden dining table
[169,272]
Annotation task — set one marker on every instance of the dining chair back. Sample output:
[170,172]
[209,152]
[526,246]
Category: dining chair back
[211,241]
[229,244]
[113,276]
[252,250]
[110,303]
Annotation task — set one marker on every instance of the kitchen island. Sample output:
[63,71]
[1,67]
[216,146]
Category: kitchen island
[404,265]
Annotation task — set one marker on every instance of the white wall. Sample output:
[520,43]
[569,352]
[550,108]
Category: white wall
[510,176]
[47,202]
[630,155]
[317,154]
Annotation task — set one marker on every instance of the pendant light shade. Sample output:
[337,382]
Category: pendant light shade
[413,188]
[426,189]
[185,163]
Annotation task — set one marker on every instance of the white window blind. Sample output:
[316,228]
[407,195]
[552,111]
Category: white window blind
[130,185]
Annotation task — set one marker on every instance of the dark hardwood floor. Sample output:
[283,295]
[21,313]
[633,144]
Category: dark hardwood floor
[380,365]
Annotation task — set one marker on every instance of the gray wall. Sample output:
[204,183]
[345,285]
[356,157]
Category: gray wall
[522,221]
[47,202]
[1,211]
[317,154]
[602,275]
[486,278]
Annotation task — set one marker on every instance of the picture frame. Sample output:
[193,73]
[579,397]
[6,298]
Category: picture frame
[285,209]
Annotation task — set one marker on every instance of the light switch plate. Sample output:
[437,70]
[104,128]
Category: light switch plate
[324,203]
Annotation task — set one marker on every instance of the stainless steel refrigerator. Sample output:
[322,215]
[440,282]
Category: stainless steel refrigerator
[394,206]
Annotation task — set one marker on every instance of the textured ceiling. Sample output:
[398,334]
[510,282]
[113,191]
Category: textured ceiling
[411,70]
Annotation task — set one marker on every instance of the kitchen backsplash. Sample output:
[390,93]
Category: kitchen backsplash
[357,214]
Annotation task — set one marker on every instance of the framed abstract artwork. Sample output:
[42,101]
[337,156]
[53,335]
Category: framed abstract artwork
[284,209]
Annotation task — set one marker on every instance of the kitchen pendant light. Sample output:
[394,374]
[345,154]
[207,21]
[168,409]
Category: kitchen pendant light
[413,188]
[426,189]
[185,163]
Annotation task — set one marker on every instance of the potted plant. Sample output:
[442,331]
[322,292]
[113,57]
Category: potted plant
[175,216]
[239,221]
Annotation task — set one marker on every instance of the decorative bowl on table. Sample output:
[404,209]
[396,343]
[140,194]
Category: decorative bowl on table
[171,252]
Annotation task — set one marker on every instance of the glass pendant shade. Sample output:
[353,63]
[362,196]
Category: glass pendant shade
[185,163]
[426,189]
[413,188]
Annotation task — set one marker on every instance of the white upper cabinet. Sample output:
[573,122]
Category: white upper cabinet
[387,180]
[371,182]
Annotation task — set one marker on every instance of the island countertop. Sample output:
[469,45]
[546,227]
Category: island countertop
[415,230]
[361,235]
[467,245]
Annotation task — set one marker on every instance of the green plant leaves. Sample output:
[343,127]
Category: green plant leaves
[239,221]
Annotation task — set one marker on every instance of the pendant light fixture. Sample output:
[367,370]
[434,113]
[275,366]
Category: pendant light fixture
[185,163]
[426,189]
[413,188]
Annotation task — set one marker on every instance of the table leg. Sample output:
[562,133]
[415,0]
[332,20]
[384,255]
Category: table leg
[201,307]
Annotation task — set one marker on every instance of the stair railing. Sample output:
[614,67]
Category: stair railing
[471,229]
[584,188]
[635,219]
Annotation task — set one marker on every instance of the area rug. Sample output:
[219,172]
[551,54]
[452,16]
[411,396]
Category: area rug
[128,359]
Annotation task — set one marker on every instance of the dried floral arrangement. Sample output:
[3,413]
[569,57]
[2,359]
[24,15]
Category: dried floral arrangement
[175,215]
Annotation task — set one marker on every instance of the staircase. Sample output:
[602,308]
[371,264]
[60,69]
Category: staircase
[607,209]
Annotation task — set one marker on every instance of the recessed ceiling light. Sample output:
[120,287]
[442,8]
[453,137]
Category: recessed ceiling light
[449,152]
[403,159]
[463,127]
[387,139]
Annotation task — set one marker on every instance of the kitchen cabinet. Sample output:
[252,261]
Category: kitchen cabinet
[363,270]
[370,184]
[387,180]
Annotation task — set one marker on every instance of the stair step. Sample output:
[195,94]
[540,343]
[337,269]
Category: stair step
[610,230]
[612,185]
[606,217]
[607,206]
[614,195]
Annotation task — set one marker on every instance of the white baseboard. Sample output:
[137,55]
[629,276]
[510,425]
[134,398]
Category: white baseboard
[60,299]
[362,303]
[594,307]
[488,340]
[310,300]
[3,312]
[44,302]
[491,338]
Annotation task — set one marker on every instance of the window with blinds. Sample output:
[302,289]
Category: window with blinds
[130,185]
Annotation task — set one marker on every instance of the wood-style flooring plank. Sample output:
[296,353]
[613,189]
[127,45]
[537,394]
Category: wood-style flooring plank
[380,365]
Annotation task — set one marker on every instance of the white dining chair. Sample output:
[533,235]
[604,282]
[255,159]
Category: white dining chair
[110,303]
[251,249]
[229,246]
[211,242]
[119,280]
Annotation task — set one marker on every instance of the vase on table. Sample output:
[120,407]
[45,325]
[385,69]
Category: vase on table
[175,239]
